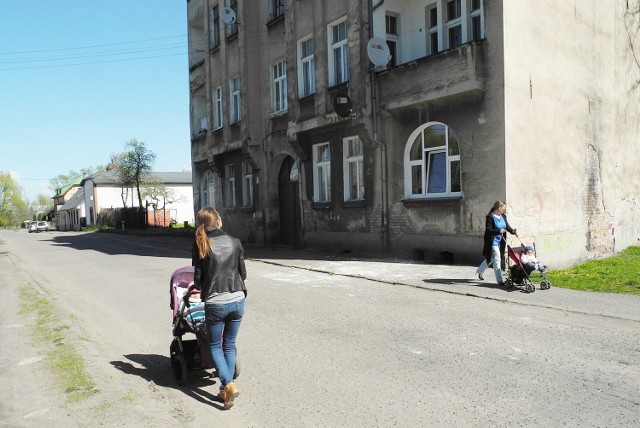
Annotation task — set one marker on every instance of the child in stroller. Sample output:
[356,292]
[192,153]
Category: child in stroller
[521,264]
[193,354]
[530,261]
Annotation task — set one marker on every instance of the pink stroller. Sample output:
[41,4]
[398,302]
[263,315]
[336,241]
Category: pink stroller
[193,354]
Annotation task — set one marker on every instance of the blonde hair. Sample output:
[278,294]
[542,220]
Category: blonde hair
[499,204]
[208,220]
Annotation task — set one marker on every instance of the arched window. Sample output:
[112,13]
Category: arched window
[432,163]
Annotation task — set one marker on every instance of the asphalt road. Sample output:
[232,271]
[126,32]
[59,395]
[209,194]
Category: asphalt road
[323,349]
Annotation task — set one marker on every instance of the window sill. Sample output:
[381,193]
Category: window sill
[361,203]
[278,114]
[247,209]
[321,205]
[274,21]
[428,202]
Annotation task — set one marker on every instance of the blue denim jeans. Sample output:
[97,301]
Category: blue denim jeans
[223,323]
[495,261]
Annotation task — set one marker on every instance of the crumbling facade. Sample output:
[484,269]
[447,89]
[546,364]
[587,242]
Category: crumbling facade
[392,126]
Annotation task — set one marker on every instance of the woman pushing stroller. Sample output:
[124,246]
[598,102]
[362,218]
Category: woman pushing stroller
[495,234]
[218,261]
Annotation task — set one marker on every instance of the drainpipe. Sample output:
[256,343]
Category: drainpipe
[383,146]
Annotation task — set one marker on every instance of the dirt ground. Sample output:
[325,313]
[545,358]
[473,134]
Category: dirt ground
[31,397]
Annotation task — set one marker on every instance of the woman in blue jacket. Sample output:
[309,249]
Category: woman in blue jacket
[495,241]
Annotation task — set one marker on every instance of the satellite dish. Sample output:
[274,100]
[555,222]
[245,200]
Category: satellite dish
[378,51]
[342,105]
[228,16]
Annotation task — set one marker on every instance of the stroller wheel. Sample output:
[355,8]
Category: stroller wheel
[545,285]
[179,368]
[529,288]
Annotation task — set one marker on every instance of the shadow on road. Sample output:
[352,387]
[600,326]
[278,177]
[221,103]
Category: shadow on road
[112,244]
[157,369]
[471,282]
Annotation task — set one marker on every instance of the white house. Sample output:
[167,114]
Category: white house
[102,192]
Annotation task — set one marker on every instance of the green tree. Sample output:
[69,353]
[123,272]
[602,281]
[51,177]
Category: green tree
[62,179]
[12,207]
[134,166]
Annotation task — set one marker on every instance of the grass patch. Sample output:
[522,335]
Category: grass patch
[48,333]
[616,274]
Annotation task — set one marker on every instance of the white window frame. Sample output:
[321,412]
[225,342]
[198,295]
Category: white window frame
[355,159]
[209,190]
[450,149]
[217,108]
[434,29]
[393,38]
[230,186]
[444,26]
[322,172]
[279,87]
[235,111]
[306,68]
[478,13]
[247,184]
[338,73]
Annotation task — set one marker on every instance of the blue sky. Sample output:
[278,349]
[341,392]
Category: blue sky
[78,79]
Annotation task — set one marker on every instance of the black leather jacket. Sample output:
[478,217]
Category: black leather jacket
[223,269]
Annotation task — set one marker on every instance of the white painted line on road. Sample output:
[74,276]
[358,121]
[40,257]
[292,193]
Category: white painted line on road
[30,360]
[36,413]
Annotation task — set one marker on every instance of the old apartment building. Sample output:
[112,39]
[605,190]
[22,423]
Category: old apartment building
[392,126]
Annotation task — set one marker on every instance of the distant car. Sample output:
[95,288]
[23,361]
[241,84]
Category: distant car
[33,226]
[42,226]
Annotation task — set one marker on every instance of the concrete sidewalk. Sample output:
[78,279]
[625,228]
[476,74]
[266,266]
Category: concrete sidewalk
[460,280]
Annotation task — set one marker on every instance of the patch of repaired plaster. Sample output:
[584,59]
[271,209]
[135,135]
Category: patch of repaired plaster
[599,236]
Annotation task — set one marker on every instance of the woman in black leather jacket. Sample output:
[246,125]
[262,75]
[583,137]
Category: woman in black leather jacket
[220,272]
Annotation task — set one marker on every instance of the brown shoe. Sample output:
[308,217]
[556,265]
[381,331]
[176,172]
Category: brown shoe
[223,395]
[230,392]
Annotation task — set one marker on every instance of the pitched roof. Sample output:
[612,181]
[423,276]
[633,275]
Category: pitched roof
[64,189]
[110,178]
[74,202]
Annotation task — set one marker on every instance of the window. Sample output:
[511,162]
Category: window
[477,30]
[279,87]
[209,190]
[432,163]
[230,186]
[432,25]
[454,9]
[451,23]
[276,9]
[321,173]
[393,38]
[353,170]
[338,53]
[454,23]
[247,184]
[217,108]
[232,29]
[234,104]
[214,28]
[306,68]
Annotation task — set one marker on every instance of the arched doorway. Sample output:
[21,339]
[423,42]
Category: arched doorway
[289,199]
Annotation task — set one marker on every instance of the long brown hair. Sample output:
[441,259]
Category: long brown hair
[208,220]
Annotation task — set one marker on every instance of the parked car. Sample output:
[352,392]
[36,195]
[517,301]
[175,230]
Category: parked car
[33,226]
[42,226]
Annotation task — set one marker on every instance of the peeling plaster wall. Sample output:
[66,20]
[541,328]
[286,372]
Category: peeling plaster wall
[572,127]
